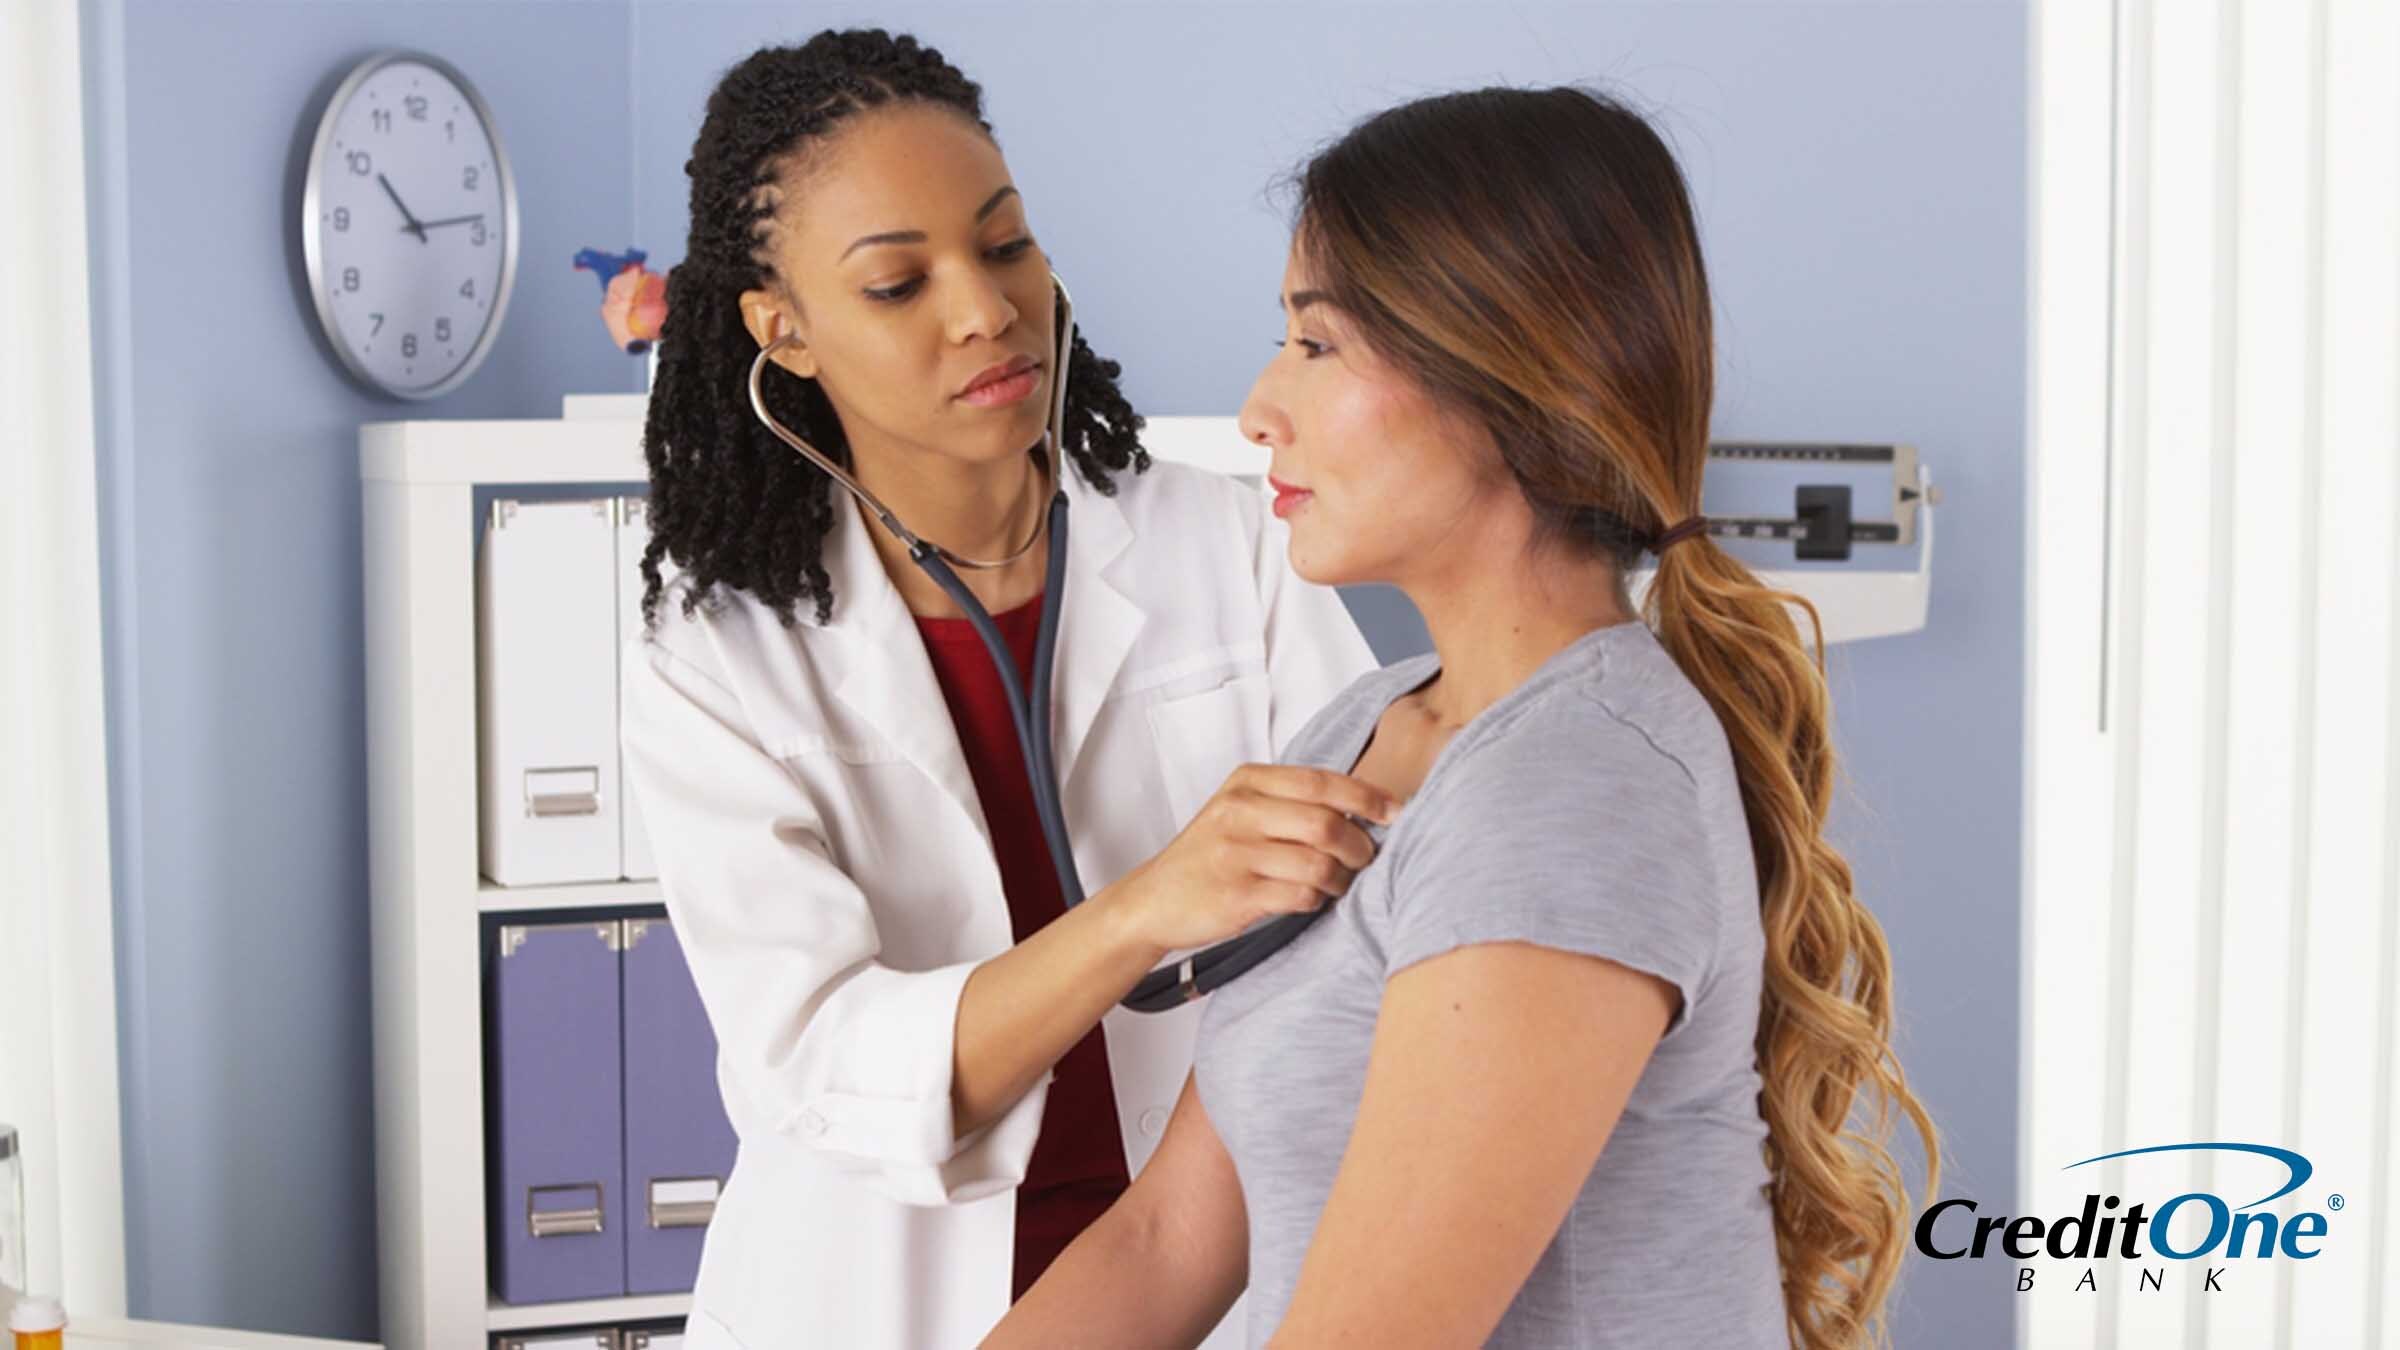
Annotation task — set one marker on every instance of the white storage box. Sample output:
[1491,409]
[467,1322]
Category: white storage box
[546,663]
[633,535]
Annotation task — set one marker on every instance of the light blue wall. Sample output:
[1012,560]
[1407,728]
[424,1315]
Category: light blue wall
[1860,173]
[232,587]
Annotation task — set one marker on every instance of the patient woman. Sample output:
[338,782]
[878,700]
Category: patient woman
[1571,1062]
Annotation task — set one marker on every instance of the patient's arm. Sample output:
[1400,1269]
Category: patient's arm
[1161,1267]
[1497,1074]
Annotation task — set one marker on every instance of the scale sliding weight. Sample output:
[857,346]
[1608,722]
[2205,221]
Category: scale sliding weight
[1825,527]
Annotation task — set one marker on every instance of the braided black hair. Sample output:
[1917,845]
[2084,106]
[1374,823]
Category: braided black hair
[729,503]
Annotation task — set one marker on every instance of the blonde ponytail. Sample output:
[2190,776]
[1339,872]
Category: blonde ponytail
[1842,1209]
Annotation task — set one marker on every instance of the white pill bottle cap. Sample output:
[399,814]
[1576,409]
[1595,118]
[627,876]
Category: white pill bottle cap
[37,1314]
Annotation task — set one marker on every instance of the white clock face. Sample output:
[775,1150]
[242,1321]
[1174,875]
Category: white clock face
[411,217]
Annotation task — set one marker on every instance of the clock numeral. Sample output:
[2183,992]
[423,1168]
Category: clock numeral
[475,232]
[378,325]
[474,175]
[360,163]
[450,131]
[468,290]
[441,330]
[383,119]
[408,345]
[416,107]
[349,278]
[341,219]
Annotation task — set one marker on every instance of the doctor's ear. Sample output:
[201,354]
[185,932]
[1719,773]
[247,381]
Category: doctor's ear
[765,319]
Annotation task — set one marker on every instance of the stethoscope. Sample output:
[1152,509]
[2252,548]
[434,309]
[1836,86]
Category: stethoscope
[1164,988]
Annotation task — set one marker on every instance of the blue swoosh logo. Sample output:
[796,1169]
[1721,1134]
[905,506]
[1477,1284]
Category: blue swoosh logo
[2301,1168]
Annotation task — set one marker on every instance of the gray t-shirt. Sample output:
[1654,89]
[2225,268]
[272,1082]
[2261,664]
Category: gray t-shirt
[1594,809]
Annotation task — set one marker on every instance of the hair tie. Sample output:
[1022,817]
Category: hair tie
[1685,530]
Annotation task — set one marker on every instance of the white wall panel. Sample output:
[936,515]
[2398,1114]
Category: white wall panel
[2211,936]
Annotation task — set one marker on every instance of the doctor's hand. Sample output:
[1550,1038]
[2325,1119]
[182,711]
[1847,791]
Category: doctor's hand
[1275,839]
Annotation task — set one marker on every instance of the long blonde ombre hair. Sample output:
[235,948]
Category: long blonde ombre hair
[1530,259]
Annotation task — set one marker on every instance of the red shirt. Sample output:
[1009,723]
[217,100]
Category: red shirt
[1078,1165]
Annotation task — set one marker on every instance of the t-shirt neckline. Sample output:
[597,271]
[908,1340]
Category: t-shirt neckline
[1547,673]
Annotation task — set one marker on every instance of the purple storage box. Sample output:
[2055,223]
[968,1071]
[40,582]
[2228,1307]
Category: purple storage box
[557,1166]
[679,1148]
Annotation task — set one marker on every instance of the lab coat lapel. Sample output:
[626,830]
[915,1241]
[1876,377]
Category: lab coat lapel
[1097,629]
[886,676]
[888,680]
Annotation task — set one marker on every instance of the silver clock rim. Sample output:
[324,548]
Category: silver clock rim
[312,245]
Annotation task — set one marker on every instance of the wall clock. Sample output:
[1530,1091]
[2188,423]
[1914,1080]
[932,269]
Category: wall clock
[409,225]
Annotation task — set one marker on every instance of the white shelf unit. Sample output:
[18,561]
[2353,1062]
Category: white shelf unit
[643,1308]
[418,482]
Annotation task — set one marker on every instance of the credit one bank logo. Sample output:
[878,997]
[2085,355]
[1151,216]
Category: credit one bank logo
[2107,1229]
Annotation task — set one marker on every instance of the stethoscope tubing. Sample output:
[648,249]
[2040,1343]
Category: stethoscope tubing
[1030,715]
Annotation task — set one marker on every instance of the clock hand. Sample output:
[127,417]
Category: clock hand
[454,220]
[412,227]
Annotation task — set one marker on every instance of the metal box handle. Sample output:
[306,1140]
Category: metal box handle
[565,791]
[683,1202]
[543,1223]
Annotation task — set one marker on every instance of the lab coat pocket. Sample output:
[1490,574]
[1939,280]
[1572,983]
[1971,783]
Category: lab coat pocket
[1202,737]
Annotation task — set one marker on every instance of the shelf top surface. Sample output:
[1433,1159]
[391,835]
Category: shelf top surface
[529,450]
[631,1308]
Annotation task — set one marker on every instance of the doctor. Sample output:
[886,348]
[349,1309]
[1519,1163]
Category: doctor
[920,1051]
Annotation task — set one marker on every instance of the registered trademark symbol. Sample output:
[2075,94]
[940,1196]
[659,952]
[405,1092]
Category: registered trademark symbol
[2335,1203]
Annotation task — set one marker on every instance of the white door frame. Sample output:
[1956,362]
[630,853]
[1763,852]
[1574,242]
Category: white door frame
[58,1025]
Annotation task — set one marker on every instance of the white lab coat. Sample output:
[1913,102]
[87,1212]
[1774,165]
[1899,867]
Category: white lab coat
[827,868]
